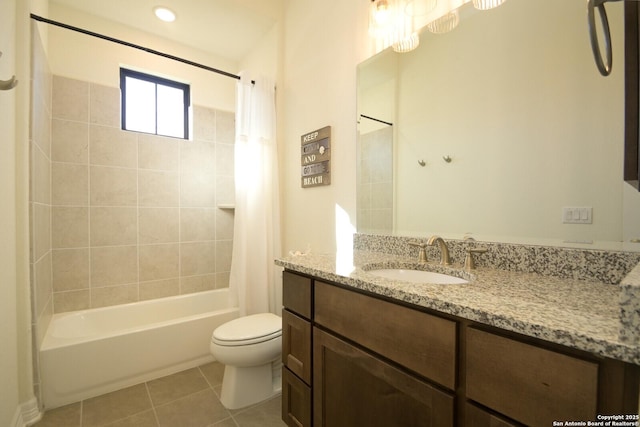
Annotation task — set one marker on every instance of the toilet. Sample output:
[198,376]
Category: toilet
[250,347]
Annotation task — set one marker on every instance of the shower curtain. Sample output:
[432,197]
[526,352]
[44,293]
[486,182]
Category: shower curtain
[256,237]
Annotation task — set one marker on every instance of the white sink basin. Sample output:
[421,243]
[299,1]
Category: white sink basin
[417,276]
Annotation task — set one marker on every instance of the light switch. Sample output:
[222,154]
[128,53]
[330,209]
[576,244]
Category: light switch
[577,215]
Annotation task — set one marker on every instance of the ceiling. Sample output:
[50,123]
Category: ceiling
[226,28]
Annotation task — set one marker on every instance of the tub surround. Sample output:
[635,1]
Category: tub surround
[526,290]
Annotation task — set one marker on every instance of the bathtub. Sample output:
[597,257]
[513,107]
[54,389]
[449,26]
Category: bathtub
[91,352]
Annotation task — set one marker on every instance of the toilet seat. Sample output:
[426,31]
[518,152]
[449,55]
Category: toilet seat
[248,330]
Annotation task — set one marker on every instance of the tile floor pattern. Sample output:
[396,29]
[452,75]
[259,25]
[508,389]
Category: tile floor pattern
[187,399]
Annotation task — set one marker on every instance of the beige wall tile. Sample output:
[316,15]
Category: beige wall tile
[159,289]
[70,99]
[70,227]
[159,153]
[41,177]
[158,188]
[197,157]
[110,146]
[225,155]
[225,127]
[225,190]
[192,284]
[113,186]
[71,301]
[114,265]
[69,141]
[222,280]
[41,230]
[104,105]
[197,190]
[224,224]
[113,295]
[70,269]
[197,258]
[223,255]
[70,184]
[159,262]
[113,226]
[204,123]
[42,281]
[158,225]
[197,224]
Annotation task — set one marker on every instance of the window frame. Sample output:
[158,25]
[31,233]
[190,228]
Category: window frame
[186,90]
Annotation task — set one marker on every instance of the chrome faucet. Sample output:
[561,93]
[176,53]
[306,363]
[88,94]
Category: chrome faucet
[444,250]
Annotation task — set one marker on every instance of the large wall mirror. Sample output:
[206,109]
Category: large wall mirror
[500,129]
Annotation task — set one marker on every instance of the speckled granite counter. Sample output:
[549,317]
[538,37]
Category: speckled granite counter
[581,314]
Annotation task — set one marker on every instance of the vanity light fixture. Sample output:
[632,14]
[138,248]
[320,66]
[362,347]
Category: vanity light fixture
[445,23]
[487,4]
[391,23]
[164,14]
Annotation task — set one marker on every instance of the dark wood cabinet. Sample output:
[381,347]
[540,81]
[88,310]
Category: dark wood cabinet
[354,359]
[354,388]
[296,350]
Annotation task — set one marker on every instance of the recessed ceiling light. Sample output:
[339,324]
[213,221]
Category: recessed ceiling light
[164,14]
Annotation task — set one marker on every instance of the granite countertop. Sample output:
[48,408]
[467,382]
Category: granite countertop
[581,314]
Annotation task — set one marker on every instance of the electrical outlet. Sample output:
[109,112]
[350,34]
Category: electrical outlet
[577,215]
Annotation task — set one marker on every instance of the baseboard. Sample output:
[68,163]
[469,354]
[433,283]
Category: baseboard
[26,414]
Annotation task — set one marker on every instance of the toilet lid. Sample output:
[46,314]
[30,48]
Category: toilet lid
[249,329]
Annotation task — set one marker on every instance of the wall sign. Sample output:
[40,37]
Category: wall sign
[316,158]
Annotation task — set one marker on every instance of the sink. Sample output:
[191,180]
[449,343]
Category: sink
[417,276]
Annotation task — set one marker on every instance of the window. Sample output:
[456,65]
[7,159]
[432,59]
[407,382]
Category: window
[151,104]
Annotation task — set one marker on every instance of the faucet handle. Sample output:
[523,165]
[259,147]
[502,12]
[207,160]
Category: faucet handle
[422,255]
[469,260]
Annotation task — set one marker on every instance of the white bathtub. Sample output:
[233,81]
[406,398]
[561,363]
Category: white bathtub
[91,352]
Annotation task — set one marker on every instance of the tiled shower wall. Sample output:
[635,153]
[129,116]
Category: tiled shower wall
[135,216]
[375,181]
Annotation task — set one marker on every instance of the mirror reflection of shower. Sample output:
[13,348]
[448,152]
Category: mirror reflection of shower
[375,175]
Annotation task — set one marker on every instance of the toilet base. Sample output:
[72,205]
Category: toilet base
[250,385]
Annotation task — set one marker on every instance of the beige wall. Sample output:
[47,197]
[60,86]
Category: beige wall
[324,41]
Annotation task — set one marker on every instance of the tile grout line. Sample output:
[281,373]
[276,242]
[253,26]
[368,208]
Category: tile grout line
[153,406]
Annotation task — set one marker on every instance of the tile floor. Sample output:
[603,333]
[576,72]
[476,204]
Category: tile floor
[186,399]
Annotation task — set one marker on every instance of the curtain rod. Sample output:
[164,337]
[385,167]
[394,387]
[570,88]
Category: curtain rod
[135,46]
[376,120]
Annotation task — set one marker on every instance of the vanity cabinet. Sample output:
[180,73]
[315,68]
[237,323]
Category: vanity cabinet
[296,350]
[352,359]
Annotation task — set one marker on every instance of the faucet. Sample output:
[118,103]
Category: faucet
[444,250]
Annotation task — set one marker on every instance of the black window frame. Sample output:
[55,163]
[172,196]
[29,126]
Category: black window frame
[186,90]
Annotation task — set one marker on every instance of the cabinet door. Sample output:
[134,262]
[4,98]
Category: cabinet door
[352,388]
[296,401]
[296,345]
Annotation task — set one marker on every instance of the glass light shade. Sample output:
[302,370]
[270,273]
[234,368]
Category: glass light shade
[407,44]
[418,8]
[391,25]
[445,23]
[487,4]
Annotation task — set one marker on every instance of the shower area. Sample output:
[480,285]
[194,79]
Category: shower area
[118,217]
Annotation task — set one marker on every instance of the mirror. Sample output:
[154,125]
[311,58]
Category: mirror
[502,129]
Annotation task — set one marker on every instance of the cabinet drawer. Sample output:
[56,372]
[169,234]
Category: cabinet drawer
[421,342]
[296,294]
[296,401]
[529,384]
[476,417]
[296,345]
